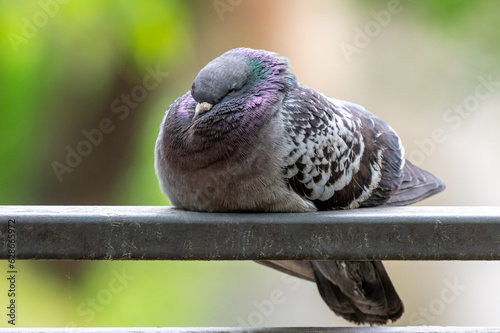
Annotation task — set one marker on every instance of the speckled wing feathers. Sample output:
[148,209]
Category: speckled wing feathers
[340,155]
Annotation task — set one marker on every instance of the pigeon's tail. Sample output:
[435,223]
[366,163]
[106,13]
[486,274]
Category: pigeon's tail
[417,185]
[358,291]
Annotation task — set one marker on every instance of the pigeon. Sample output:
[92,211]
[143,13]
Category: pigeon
[248,137]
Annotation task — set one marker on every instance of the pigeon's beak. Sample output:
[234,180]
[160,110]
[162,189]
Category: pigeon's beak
[202,107]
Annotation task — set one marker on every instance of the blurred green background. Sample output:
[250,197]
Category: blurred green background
[69,68]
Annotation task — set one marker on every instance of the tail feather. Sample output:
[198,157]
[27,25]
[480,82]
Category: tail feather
[358,291]
[298,268]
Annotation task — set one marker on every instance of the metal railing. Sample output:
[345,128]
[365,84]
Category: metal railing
[164,233]
[409,329]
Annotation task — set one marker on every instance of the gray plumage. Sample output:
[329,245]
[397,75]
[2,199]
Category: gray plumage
[249,138]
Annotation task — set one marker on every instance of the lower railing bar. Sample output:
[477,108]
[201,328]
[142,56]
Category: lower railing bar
[412,329]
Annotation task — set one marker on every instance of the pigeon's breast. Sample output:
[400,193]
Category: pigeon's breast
[251,180]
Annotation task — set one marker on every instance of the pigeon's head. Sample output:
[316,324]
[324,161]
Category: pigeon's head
[239,72]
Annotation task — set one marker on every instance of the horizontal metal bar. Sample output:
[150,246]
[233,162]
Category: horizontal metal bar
[412,329]
[151,232]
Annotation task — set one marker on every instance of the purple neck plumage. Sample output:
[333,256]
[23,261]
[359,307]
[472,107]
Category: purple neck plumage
[228,130]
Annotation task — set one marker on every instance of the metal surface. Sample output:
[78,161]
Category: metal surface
[150,232]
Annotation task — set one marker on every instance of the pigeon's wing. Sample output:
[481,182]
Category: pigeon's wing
[416,185]
[341,156]
[326,151]
[401,183]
